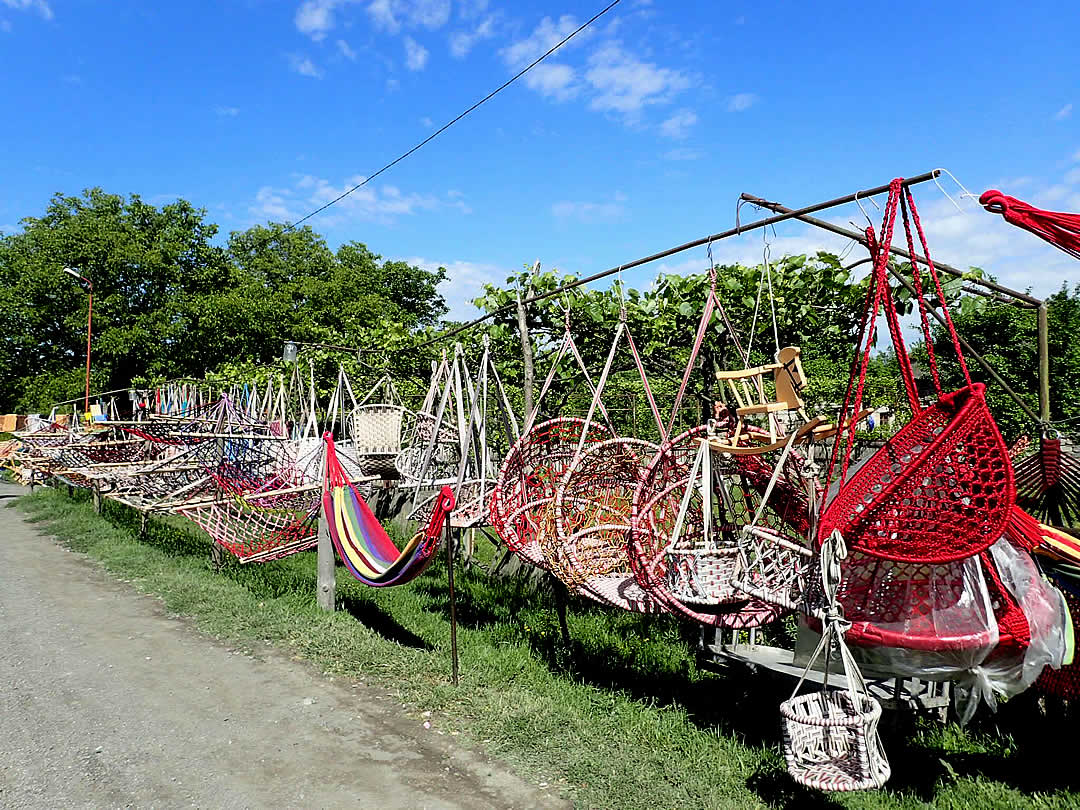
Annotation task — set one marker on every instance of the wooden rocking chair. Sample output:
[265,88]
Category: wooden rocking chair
[751,398]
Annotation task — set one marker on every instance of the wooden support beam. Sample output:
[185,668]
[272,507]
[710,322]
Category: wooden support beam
[327,584]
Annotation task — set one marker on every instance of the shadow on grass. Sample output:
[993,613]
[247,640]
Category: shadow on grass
[375,618]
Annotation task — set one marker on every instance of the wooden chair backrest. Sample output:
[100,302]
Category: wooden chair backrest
[789,377]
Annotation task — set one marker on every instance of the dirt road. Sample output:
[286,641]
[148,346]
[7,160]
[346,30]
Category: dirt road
[107,701]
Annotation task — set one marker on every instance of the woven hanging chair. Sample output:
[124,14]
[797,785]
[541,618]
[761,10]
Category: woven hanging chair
[593,509]
[942,488]
[939,490]
[696,577]
[528,482]
[376,437]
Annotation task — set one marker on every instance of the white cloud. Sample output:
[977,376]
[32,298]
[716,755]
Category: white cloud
[545,36]
[465,281]
[346,51]
[370,203]
[684,154]
[316,17]
[227,112]
[40,6]
[624,84]
[5,26]
[551,79]
[678,126]
[591,212]
[393,15]
[1076,156]
[1072,177]
[1063,113]
[461,42]
[416,55]
[305,67]
[426,122]
[741,101]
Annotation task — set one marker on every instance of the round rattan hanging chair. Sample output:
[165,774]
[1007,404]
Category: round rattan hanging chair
[528,481]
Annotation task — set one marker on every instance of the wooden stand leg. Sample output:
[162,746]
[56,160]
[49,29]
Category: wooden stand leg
[327,584]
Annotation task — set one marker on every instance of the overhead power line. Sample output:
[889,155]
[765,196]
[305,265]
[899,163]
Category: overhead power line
[453,121]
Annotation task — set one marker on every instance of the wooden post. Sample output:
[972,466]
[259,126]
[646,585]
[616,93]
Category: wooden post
[97,500]
[327,585]
[526,354]
[453,605]
[1044,363]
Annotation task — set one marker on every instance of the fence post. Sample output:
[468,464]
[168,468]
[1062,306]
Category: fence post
[97,500]
[327,585]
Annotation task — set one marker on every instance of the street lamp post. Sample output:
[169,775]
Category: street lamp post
[86,284]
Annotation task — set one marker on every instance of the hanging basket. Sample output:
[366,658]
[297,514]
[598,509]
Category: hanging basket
[772,567]
[376,434]
[938,491]
[657,504]
[831,741]
[704,576]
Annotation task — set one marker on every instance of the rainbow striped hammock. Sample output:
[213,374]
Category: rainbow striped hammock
[359,538]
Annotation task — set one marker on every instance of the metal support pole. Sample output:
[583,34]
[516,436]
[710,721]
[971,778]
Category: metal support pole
[1044,363]
[910,288]
[839,230]
[453,603]
[327,585]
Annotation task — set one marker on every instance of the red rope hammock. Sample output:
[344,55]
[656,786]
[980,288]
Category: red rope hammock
[1058,228]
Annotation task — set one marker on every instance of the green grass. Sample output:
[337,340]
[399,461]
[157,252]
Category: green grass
[623,717]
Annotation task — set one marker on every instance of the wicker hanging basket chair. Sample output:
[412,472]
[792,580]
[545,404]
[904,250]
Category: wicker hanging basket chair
[528,481]
[697,575]
[593,509]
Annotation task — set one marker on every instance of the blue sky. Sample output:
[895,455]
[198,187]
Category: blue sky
[637,136]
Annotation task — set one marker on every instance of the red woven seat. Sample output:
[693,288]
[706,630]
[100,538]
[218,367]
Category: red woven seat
[940,490]
[528,481]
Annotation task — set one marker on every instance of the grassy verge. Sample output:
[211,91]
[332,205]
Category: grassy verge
[621,718]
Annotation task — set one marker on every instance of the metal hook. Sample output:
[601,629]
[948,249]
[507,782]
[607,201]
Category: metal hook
[966,193]
[869,221]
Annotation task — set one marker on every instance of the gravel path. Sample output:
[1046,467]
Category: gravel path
[107,701]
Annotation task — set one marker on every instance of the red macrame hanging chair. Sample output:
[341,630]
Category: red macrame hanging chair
[942,488]
[922,513]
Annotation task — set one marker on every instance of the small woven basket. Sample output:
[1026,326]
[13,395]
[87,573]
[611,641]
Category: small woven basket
[831,741]
[704,576]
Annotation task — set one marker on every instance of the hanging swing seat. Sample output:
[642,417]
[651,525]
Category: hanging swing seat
[940,490]
[376,431]
[360,540]
[750,389]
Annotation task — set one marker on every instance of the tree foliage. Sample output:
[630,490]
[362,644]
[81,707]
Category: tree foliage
[171,302]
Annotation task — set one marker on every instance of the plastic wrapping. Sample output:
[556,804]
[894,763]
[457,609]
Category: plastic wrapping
[1014,667]
[932,622]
